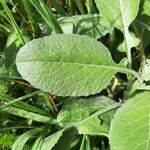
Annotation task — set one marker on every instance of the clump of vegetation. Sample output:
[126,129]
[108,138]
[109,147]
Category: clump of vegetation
[74,74]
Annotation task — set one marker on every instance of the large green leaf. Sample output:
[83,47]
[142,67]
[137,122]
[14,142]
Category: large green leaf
[76,110]
[67,65]
[130,128]
[121,13]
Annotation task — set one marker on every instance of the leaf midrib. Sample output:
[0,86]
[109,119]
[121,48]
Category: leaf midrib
[116,67]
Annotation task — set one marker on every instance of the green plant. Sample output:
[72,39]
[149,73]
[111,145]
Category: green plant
[93,83]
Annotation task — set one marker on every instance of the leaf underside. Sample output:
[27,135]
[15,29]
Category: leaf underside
[130,128]
[78,109]
[67,65]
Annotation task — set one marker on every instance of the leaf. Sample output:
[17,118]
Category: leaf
[20,142]
[146,7]
[94,126]
[66,140]
[85,144]
[23,105]
[27,114]
[6,140]
[52,140]
[38,143]
[13,44]
[67,65]
[78,109]
[142,23]
[121,13]
[146,71]
[93,25]
[130,128]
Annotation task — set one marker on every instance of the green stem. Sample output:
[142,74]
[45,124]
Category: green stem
[82,146]
[129,58]
[89,5]
[19,99]
[14,24]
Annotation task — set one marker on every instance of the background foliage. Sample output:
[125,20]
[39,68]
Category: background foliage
[102,101]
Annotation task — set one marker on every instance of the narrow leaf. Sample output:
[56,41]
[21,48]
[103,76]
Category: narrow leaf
[20,142]
[50,141]
[38,143]
[66,139]
[26,114]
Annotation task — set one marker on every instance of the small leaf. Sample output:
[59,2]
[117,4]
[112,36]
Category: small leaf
[67,65]
[20,142]
[78,109]
[121,13]
[130,128]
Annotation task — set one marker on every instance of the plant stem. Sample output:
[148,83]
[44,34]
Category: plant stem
[129,58]
[14,24]
[90,6]
[82,146]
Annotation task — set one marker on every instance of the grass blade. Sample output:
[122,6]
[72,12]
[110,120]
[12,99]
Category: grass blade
[18,99]
[27,114]
[12,20]
[22,105]
[79,6]
[38,143]
[20,142]
[47,15]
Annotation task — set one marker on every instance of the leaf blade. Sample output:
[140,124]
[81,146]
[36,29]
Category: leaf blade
[67,65]
[20,142]
[130,127]
[77,110]
[124,12]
